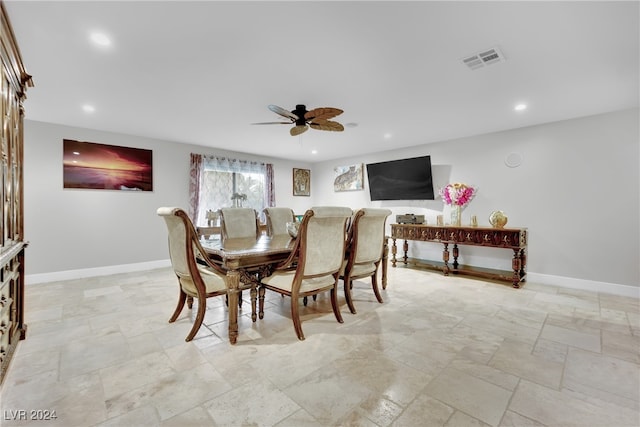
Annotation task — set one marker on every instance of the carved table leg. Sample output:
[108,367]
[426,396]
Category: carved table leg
[405,248]
[385,256]
[233,282]
[523,264]
[455,256]
[254,295]
[516,265]
[261,303]
[394,251]
[445,258]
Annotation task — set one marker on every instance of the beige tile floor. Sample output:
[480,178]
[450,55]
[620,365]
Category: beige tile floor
[441,351]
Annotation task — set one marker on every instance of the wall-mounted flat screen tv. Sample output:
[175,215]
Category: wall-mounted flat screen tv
[405,179]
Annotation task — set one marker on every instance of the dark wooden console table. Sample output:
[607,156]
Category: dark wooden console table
[506,238]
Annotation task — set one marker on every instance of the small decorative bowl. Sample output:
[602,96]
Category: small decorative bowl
[292,229]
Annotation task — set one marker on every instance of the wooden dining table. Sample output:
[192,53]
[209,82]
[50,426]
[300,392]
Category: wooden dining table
[244,259]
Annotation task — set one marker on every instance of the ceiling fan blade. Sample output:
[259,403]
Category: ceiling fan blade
[284,113]
[327,125]
[322,113]
[272,123]
[297,130]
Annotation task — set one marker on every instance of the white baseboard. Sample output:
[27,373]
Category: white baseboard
[586,285]
[94,272]
[543,279]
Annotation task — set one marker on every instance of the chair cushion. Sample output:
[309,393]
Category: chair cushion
[212,281]
[359,270]
[363,270]
[284,280]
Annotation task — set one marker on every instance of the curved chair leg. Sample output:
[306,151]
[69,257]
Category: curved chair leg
[202,307]
[295,316]
[347,294]
[181,299]
[374,284]
[305,300]
[334,304]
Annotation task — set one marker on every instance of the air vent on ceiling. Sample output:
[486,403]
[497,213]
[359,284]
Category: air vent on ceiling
[482,59]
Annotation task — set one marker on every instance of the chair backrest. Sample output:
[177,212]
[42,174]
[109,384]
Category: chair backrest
[277,219]
[183,241]
[322,240]
[367,235]
[238,222]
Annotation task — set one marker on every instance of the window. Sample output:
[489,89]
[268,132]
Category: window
[218,182]
[223,189]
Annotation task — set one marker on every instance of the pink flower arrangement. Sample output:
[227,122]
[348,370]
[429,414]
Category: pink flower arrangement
[457,194]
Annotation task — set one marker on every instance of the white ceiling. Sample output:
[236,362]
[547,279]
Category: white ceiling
[202,72]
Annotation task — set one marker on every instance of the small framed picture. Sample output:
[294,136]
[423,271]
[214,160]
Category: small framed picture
[348,178]
[301,182]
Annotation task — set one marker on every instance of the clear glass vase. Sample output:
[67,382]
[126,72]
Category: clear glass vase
[456,215]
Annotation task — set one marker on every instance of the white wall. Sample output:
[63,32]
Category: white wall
[77,229]
[577,191]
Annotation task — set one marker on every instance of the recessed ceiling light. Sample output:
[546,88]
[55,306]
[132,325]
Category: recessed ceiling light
[520,107]
[314,151]
[88,108]
[387,135]
[100,39]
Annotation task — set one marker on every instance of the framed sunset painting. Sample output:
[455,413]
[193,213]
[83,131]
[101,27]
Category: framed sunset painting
[106,167]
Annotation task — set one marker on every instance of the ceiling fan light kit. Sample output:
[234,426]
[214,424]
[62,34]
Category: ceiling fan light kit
[318,118]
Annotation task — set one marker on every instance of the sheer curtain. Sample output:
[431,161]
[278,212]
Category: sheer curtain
[213,181]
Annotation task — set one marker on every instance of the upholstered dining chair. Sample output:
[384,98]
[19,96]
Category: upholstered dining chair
[317,255]
[238,223]
[277,219]
[365,243]
[196,280]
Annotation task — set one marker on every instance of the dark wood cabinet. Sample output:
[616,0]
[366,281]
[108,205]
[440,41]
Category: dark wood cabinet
[13,85]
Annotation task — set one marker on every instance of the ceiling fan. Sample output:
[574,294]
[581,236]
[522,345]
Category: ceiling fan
[318,118]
